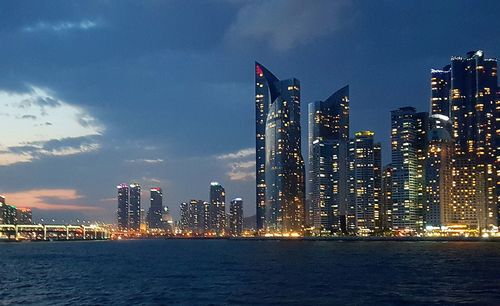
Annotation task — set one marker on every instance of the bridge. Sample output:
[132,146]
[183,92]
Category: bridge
[35,232]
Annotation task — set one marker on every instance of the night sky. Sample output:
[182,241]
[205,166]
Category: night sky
[96,93]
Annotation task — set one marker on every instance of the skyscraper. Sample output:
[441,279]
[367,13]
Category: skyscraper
[438,174]
[135,207]
[24,215]
[123,207]
[386,199]
[155,210]
[408,151]
[217,208]
[474,84]
[236,217]
[279,162]
[184,222]
[328,149]
[367,182]
[440,91]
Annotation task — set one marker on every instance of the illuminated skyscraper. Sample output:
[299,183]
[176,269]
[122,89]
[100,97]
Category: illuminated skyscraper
[134,220]
[155,210]
[185,217]
[367,182]
[279,163]
[408,150]
[440,91]
[473,88]
[350,215]
[386,199]
[474,125]
[123,206]
[236,217]
[328,150]
[217,208]
[438,174]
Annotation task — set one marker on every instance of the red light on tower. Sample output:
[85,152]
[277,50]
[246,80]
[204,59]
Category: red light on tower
[259,71]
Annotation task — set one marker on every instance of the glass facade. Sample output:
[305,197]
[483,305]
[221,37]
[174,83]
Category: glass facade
[236,217]
[328,149]
[279,162]
[155,210]
[217,208]
[134,221]
[123,206]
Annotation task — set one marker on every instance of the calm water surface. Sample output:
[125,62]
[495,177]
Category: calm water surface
[201,272]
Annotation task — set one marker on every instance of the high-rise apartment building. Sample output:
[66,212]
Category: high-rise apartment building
[134,220]
[279,163]
[367,176]
[155,210]
[217,208]
[408,152]
[328,150]
[123,206]
[236,217]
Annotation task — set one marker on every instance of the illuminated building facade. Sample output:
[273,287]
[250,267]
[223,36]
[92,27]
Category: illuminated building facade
[236,217]
[386,199]
[474,84]
[184,212]
[367,176]
[438,174]
[155,210]
[134,220]
[279,164]
[217,208]
[440,91]
[408,152]
[24,215]
[123,206]
[328,149]
[350,215]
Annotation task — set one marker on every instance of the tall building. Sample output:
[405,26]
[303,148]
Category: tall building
[386,199]
[236,217]
[350,215]
[134,221]
[328,149]
[438,174]
[279,163]
[408,152]
[185,217]
[474,83]
[367,182]
[440,91]
[24,216]
[156,208]
[217,208]
[123,206]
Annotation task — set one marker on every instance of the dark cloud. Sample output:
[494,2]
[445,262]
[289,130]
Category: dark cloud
[28,117]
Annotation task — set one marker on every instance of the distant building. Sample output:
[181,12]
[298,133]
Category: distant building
[135,207]
[155,210]
[185,217]
[236,217]
[217,208]
[123,206]
[167,220]
[386,199]
[328,150]
[24,216]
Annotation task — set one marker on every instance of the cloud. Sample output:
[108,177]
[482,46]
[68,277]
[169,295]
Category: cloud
[285,24]
[238,154]
[54,128]
[62,26]
[241,164]
[50,199]
[146,161]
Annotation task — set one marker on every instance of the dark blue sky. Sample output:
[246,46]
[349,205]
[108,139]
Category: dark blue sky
[96,93]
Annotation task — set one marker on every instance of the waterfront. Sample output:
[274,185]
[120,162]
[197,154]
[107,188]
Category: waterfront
[250,272]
